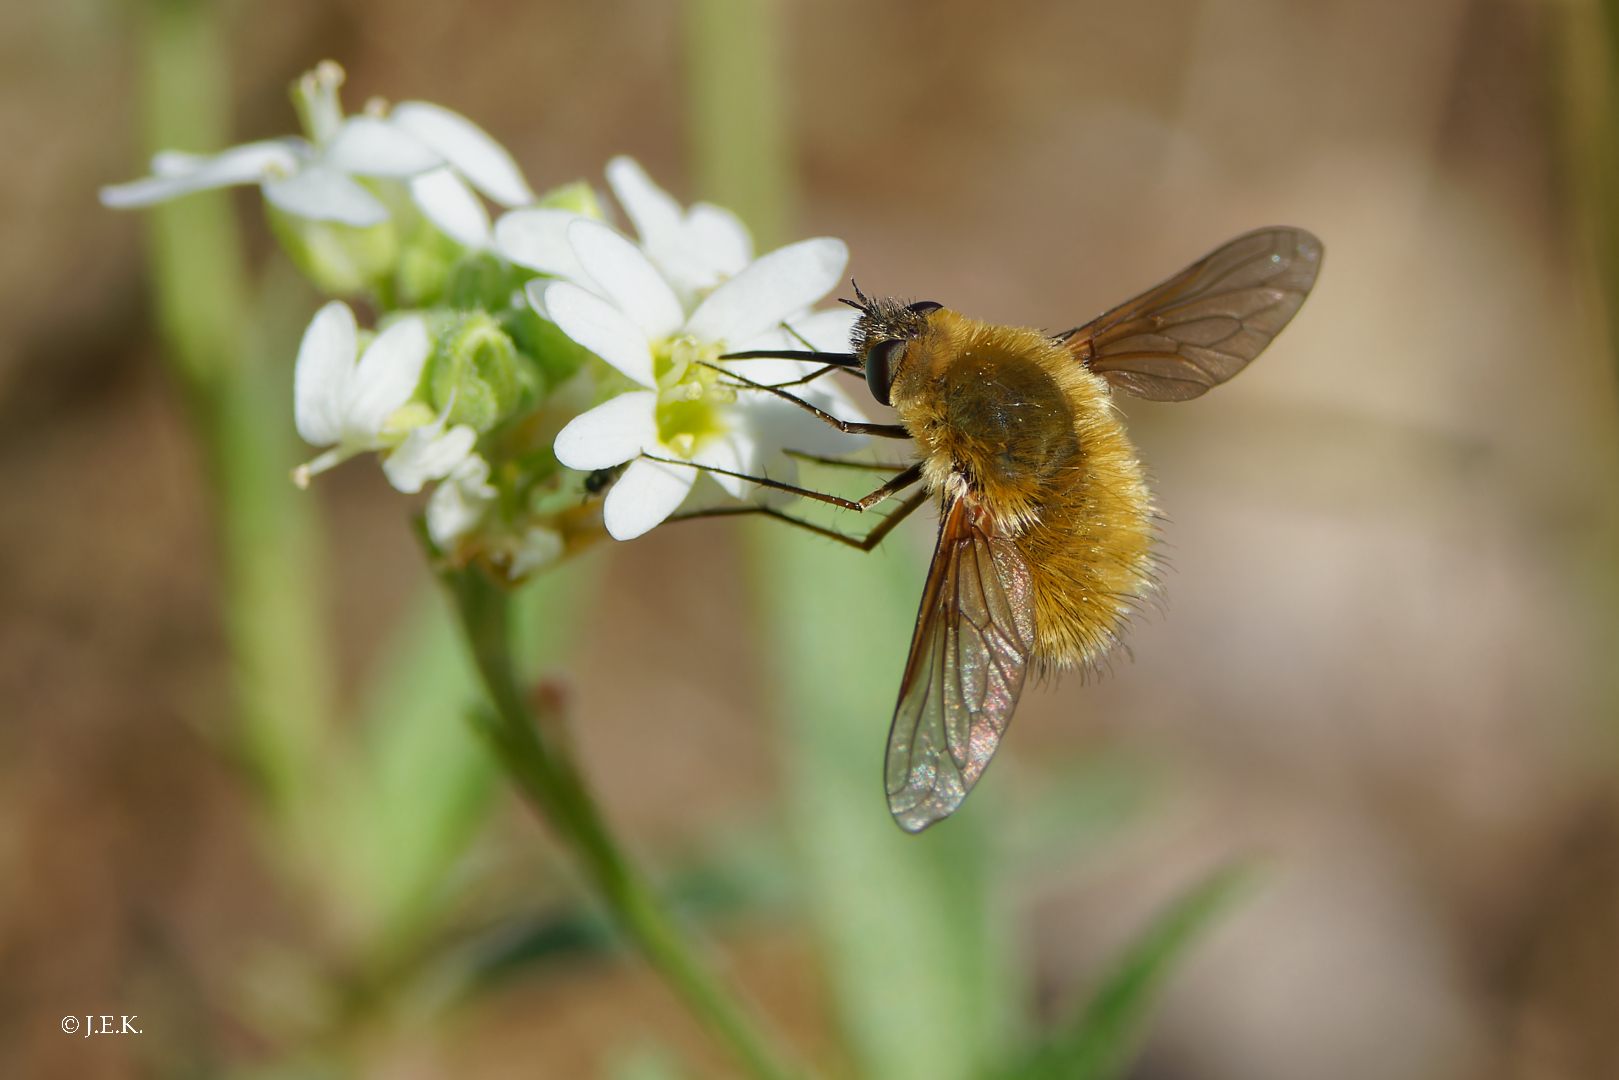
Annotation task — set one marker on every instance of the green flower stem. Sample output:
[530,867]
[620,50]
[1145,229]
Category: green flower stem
[736,86]
[539,759]
[218,343]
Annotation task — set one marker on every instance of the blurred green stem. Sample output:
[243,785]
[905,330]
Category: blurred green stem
[1585,37]
[215,345]
[539,759]
[741,153]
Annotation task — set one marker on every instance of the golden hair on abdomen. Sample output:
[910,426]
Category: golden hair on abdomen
[1007,417]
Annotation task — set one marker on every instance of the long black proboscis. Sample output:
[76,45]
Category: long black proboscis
[836,359]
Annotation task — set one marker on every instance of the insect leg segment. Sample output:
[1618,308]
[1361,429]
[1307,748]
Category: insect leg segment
[897,484]
[886,431]
[864,543]
[844,463]
[824,370]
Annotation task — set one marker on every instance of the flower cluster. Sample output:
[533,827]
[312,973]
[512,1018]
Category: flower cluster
[662,314]
[346,197]
[554,377]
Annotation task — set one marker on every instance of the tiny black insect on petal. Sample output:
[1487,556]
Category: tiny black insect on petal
[598,481]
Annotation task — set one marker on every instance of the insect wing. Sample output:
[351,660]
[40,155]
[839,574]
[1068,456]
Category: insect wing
[1206,323]
[968,657]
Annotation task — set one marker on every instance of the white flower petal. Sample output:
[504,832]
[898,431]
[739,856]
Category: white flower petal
[374,147]
[471,149]
[718,239]
[781,423]
[177,174]
[627,278]
[828,331]
[539,547]
[428,453]
[773,288]
[601,328]
[611,433]
[180,163]
[772,371]
[446,201]
[387,374]
[534,293]
[322,193]
[654,212]
[726,452]
[538,239]
[647,493]
[321,378]
[458,504]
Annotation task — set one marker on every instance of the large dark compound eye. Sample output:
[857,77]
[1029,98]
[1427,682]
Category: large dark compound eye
[922,307]
[881,362]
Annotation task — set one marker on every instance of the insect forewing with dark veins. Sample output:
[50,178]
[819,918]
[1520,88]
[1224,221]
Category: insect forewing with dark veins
[968,657]
[1206,323]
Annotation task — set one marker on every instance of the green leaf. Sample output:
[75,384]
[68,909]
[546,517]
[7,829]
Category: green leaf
[1103,1039]
[419,782]
[421,786]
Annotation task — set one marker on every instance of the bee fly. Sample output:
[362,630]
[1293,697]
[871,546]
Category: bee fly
[1045,527]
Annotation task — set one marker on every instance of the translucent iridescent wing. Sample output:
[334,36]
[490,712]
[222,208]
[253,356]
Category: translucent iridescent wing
[968,657]
[1206,323]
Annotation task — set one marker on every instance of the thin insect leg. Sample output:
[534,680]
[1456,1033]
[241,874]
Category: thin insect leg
[827,370]
[887,431]
[898,483]
[889,523]
[874,466]
[864,543]
[802,339]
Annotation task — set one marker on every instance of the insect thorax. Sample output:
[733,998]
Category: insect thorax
[978,397]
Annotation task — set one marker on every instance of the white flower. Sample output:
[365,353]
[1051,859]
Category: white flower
[428,453]
[686,413]
[356,402]
[435,151]
[460,502]
[693,249]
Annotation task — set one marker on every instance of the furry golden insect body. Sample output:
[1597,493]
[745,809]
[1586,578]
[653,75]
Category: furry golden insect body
[1030,445]
[1045,518]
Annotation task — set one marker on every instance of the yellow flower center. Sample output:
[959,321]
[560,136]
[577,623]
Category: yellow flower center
[689,393]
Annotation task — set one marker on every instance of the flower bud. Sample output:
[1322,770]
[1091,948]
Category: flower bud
[578,196]
[475,372]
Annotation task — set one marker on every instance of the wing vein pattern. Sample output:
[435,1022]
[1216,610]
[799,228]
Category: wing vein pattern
[1206,323]
[968,658]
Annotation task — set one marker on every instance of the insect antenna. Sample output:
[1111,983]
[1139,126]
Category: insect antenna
[862,303]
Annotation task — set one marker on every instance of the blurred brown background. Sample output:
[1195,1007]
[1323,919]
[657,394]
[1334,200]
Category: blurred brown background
[1384,654]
